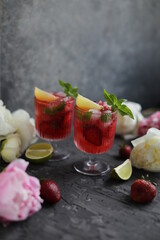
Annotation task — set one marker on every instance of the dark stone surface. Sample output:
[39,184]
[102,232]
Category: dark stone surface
[95,44]
[91,207]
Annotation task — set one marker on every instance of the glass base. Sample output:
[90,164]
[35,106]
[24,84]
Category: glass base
[91,168]
[60,155]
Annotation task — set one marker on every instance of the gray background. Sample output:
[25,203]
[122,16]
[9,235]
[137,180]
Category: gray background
[94,44]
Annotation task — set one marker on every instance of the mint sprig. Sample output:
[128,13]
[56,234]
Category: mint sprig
[68,89]
[85,117]
[54,110]
[118,105]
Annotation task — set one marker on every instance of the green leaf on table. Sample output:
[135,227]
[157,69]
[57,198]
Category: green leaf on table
[68,89]
[118,105]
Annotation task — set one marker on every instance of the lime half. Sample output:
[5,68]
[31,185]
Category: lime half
[123,171]
[39,152]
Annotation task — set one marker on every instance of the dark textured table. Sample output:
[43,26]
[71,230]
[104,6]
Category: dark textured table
[91,207]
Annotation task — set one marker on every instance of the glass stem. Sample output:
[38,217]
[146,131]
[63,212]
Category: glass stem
[91,161]
[59,152]
[55,146]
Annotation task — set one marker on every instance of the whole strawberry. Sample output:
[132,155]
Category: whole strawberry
[142,191]
[50,191]
[125,151]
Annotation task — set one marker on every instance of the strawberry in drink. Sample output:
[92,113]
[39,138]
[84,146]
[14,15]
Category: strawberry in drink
[94,130]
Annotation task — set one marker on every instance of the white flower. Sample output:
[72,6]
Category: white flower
[5,121]
[126,125]
[146,151]
[17,130]
[11,147]
[25,128]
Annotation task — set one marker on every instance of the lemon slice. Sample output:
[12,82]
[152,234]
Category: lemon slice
[39,152]
[43,95]
[86,104]
[123,171]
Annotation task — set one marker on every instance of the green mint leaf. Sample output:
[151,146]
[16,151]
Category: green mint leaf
[120,101]
[114,98]
[106,117]
[79,114]
[87,116]
[108,98]
[54,110]
[124,110]
[68,89]
[118,105]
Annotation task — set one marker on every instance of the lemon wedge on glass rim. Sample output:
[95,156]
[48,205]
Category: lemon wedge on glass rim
[86,104]
[43,95]
[123,171]
[39,152]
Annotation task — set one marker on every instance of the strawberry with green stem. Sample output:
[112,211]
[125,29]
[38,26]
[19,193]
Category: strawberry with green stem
[143,190]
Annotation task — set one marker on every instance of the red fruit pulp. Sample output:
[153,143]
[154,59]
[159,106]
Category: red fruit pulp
[53,120]
[94,134]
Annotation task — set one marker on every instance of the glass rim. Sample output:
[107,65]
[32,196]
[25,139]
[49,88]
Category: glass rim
[56,101]
[84,111]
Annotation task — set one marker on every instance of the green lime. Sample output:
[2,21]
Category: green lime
[123,171]
[39,152]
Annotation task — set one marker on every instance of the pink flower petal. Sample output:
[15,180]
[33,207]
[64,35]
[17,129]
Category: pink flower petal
[19,192]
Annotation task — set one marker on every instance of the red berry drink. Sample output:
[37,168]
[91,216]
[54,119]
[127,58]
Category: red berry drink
[94,130]
[53,120]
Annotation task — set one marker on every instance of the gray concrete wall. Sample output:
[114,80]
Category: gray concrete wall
[94,44]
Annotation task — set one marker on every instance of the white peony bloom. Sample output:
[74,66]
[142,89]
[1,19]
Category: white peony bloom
[25,128]
[17,130]
[146,151]
[126,125]
[5,121]
[11,147]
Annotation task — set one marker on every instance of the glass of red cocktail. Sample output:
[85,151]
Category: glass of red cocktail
[94,133]
[53,118]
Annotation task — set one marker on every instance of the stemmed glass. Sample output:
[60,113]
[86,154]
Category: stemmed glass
[94,133]
[53,121]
